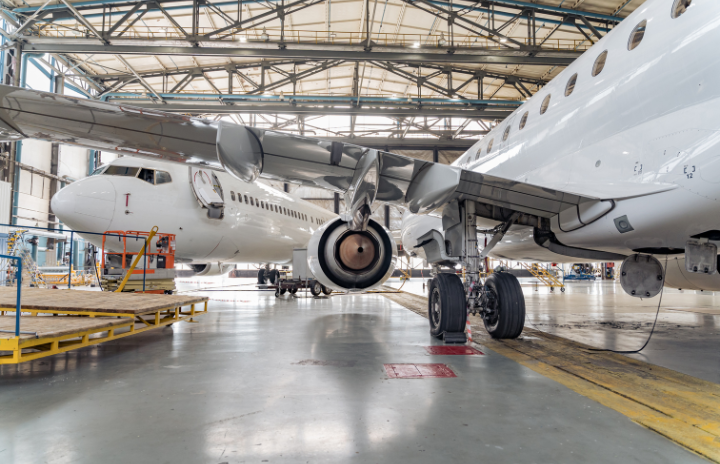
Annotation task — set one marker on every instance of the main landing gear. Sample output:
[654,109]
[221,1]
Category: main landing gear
[500,303]
[499,300]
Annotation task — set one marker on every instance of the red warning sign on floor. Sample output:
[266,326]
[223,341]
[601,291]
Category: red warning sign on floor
[418,371]
[442,350]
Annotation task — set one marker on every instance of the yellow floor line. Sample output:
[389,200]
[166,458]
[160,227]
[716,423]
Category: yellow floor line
[682,408]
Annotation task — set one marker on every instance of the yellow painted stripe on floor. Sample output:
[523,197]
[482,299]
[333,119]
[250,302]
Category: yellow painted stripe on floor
[680,407]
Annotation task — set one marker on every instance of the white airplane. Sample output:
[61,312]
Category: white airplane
[217,219]
[616,159]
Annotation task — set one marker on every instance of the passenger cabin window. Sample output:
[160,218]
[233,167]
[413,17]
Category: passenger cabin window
[121,171]
[506,134]
[545,104]
[251,202]
[148,175]
[162,177]
[680,7]
[570,87]
[490,144]
[637,35]
[600,63]
[246,199]
[232,195]
[523,120]
[257,203]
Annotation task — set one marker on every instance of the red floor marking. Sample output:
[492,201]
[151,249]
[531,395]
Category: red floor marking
[418,371]
[452,350]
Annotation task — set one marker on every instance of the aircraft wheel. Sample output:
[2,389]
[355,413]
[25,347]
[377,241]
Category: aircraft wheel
[316,288]
[326,290]
[283,290]
[293,290]
[506,304]
[261,276]
[446,305]
[273,276]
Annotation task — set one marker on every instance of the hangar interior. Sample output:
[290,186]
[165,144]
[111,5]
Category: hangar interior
[258,360]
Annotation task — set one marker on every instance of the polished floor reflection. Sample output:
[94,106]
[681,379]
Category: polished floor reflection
[302,380]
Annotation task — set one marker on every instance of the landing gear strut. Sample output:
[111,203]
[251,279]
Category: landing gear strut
[499,300]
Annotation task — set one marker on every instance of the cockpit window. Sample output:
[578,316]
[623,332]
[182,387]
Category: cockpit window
[148,175]
[121,171]
[162,177]
[98,171]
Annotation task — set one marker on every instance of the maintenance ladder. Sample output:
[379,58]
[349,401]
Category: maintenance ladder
[544,276]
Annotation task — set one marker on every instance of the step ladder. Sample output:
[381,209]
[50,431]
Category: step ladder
[544,276]
[17,247]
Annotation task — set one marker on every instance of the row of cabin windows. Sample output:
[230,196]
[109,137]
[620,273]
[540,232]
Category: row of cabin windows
[275,208]
[637,35]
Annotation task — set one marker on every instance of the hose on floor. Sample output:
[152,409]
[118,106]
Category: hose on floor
[652,331]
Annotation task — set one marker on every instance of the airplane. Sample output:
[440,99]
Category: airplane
[615,159]
[217,219]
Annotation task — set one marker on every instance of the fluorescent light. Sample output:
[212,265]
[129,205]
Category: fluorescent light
[503,40]
[416,45]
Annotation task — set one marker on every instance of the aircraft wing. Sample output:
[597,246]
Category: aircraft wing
[248,152]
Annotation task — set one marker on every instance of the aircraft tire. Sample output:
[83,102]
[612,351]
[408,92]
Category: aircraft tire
[293,290]
[509,302]
[316,288]
[446,305]
[326,291]
[273,276]
[261,276]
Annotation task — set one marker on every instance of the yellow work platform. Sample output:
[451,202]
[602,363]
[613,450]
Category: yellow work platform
[83,318]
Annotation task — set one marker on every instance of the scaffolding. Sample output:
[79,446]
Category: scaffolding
[17,247]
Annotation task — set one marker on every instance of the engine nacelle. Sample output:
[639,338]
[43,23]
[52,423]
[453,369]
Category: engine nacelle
[677,276]
[343,259]
[211,269]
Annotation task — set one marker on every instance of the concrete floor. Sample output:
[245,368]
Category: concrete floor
[301,380]
[601,314]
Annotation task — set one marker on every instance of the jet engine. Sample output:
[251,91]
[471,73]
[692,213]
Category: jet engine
[211,269]
[344,259]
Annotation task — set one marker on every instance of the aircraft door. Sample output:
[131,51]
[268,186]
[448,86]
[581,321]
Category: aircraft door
[208,191]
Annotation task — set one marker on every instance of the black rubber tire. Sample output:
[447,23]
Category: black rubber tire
[273,277]
[326,291]
[316,288]
[293,290]
[261,276]
[510,305]
[447,310]
[283,290]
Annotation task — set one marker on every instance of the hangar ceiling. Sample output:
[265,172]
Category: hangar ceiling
[399,74]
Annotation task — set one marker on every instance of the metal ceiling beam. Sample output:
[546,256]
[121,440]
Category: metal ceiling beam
[389,144]
[299,51]
[264,109]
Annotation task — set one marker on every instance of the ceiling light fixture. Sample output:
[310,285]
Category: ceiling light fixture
[441,40]
[264,35]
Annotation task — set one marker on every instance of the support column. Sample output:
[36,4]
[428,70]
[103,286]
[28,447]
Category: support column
[336,203]
[59,87]
[436,155]
[15,147]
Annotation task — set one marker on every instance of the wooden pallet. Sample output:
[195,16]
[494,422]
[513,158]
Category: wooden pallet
[84,318]
[80,302]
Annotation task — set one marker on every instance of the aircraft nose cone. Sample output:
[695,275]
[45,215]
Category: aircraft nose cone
[86,205]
